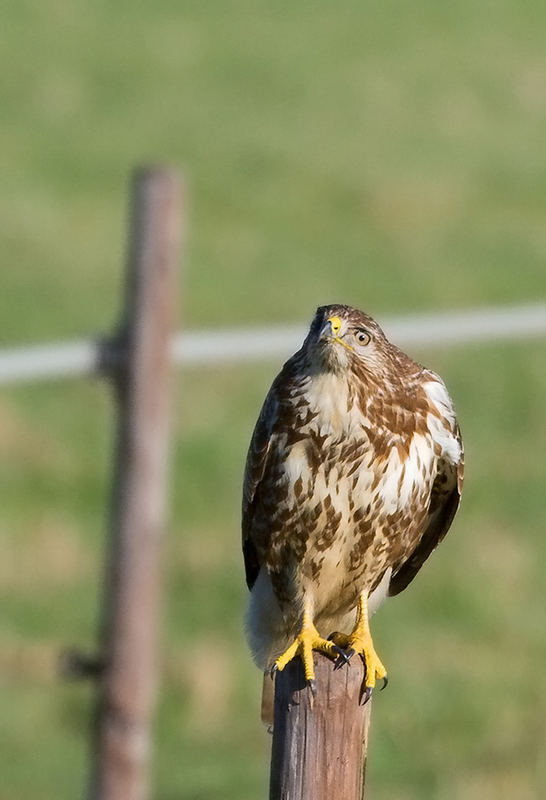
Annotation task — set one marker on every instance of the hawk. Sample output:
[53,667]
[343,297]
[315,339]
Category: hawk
[353,477]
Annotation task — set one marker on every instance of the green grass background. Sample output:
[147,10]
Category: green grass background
[386,155]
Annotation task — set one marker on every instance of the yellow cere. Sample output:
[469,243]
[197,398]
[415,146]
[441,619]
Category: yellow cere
[335,323]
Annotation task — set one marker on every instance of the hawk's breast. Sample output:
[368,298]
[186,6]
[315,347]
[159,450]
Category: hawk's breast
[353,505]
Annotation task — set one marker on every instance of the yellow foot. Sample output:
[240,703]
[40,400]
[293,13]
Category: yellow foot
[363,645]
[360,641]
[303,645]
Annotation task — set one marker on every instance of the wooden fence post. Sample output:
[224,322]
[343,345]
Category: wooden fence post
[319,744]
[129,636]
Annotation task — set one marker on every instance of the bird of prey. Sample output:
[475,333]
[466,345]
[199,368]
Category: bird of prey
[353,477]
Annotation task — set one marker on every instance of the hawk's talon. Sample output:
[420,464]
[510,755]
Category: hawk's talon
[349,654]
[360,641]
[367,694]
[374,668]
[307,640]
[343,659]
[341,654]
[312,684]
[385,683]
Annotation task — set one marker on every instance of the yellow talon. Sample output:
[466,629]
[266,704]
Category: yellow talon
[360,641]
[303,645]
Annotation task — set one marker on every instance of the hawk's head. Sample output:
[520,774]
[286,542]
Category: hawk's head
[342,337]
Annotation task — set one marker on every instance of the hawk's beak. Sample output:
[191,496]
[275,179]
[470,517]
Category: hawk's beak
[331,329]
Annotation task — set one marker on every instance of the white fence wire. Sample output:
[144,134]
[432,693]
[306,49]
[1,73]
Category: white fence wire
[206,348]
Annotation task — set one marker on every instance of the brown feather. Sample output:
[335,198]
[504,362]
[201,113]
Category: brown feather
[354,470]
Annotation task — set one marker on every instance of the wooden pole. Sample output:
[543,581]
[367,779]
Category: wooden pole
[128,675]
[319,744]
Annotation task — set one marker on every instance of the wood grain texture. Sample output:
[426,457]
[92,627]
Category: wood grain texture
[319,744]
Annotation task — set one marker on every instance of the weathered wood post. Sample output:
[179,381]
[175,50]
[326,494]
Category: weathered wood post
[319,744]
[129,638]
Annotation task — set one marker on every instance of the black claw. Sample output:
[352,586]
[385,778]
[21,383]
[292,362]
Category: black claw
[367,695]
[312,686]
[343,658]
[272,671]
[385,683]
[341,654]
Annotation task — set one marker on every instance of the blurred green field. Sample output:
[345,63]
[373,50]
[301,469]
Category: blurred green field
[389,156]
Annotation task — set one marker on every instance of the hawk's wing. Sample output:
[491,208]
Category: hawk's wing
[444,502]
[256,461]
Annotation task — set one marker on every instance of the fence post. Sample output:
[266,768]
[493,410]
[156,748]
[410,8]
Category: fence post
[319,744]
[129,635]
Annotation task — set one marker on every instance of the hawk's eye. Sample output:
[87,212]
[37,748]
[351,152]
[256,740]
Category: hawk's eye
[362,336]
